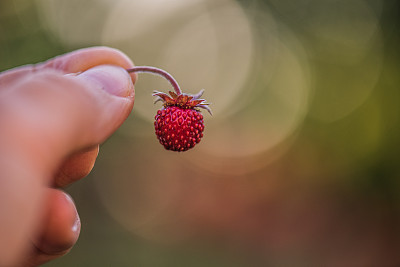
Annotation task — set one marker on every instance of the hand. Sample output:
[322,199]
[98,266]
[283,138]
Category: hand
[53,116]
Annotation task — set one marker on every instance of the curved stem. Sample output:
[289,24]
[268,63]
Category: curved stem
[160,72]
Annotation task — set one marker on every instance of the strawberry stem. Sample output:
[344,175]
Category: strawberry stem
[160,72]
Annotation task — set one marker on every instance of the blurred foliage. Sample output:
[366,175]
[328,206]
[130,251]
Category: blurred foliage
[298,167]
[22,37]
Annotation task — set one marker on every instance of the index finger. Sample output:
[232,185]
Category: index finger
[86,58]
[72,62]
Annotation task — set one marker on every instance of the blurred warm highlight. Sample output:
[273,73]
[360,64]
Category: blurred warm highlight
[298,165]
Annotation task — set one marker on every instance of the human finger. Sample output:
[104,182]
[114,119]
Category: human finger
[76,167]
[73,62]
[51,115]
[58,231]
[86,58]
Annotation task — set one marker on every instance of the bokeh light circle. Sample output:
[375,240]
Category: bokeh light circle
[194,46]
[344,41]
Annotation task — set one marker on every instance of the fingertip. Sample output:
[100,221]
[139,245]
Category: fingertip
[60,229]
[112,79]
[86,58]
[112,107]
[61,224]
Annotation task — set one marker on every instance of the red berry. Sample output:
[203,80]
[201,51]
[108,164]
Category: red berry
[179,125]
[173,130]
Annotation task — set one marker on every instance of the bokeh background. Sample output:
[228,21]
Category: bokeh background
[299,165]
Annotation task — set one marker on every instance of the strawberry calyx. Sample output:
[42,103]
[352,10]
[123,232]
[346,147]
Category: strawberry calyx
[182,100]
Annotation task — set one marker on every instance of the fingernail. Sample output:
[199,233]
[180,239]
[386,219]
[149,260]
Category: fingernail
[112,79]
[76,225]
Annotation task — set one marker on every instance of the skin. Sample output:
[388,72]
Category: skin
[53,116]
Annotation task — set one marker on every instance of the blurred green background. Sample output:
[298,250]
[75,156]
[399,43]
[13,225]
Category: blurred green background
[299,163]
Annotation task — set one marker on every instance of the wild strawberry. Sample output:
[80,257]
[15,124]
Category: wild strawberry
[179,124]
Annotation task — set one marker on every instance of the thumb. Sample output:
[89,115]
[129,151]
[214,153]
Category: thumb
[113,97]
[55,114]
[114,80]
